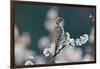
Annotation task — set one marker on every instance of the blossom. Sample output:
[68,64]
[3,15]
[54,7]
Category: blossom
[46,52]
[86,36]
[29,61]
[49,51]
[82,40]
[75,42]
[67,36]
[72,42]
[78,43]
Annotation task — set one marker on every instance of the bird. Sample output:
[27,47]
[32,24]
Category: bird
[59,33]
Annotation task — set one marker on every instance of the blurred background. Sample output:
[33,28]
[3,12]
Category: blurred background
[34,31]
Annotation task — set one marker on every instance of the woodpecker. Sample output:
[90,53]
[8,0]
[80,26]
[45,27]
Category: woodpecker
[59,33]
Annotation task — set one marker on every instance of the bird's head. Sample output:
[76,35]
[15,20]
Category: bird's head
[59,20]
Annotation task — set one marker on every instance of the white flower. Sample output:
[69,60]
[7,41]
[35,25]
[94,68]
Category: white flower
[86,36]
[78,43]
[46,52]
[67,36]
[29,63]
[83,39]
[72,42]
[50,50]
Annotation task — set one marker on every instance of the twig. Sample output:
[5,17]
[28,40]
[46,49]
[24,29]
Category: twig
[57,53]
